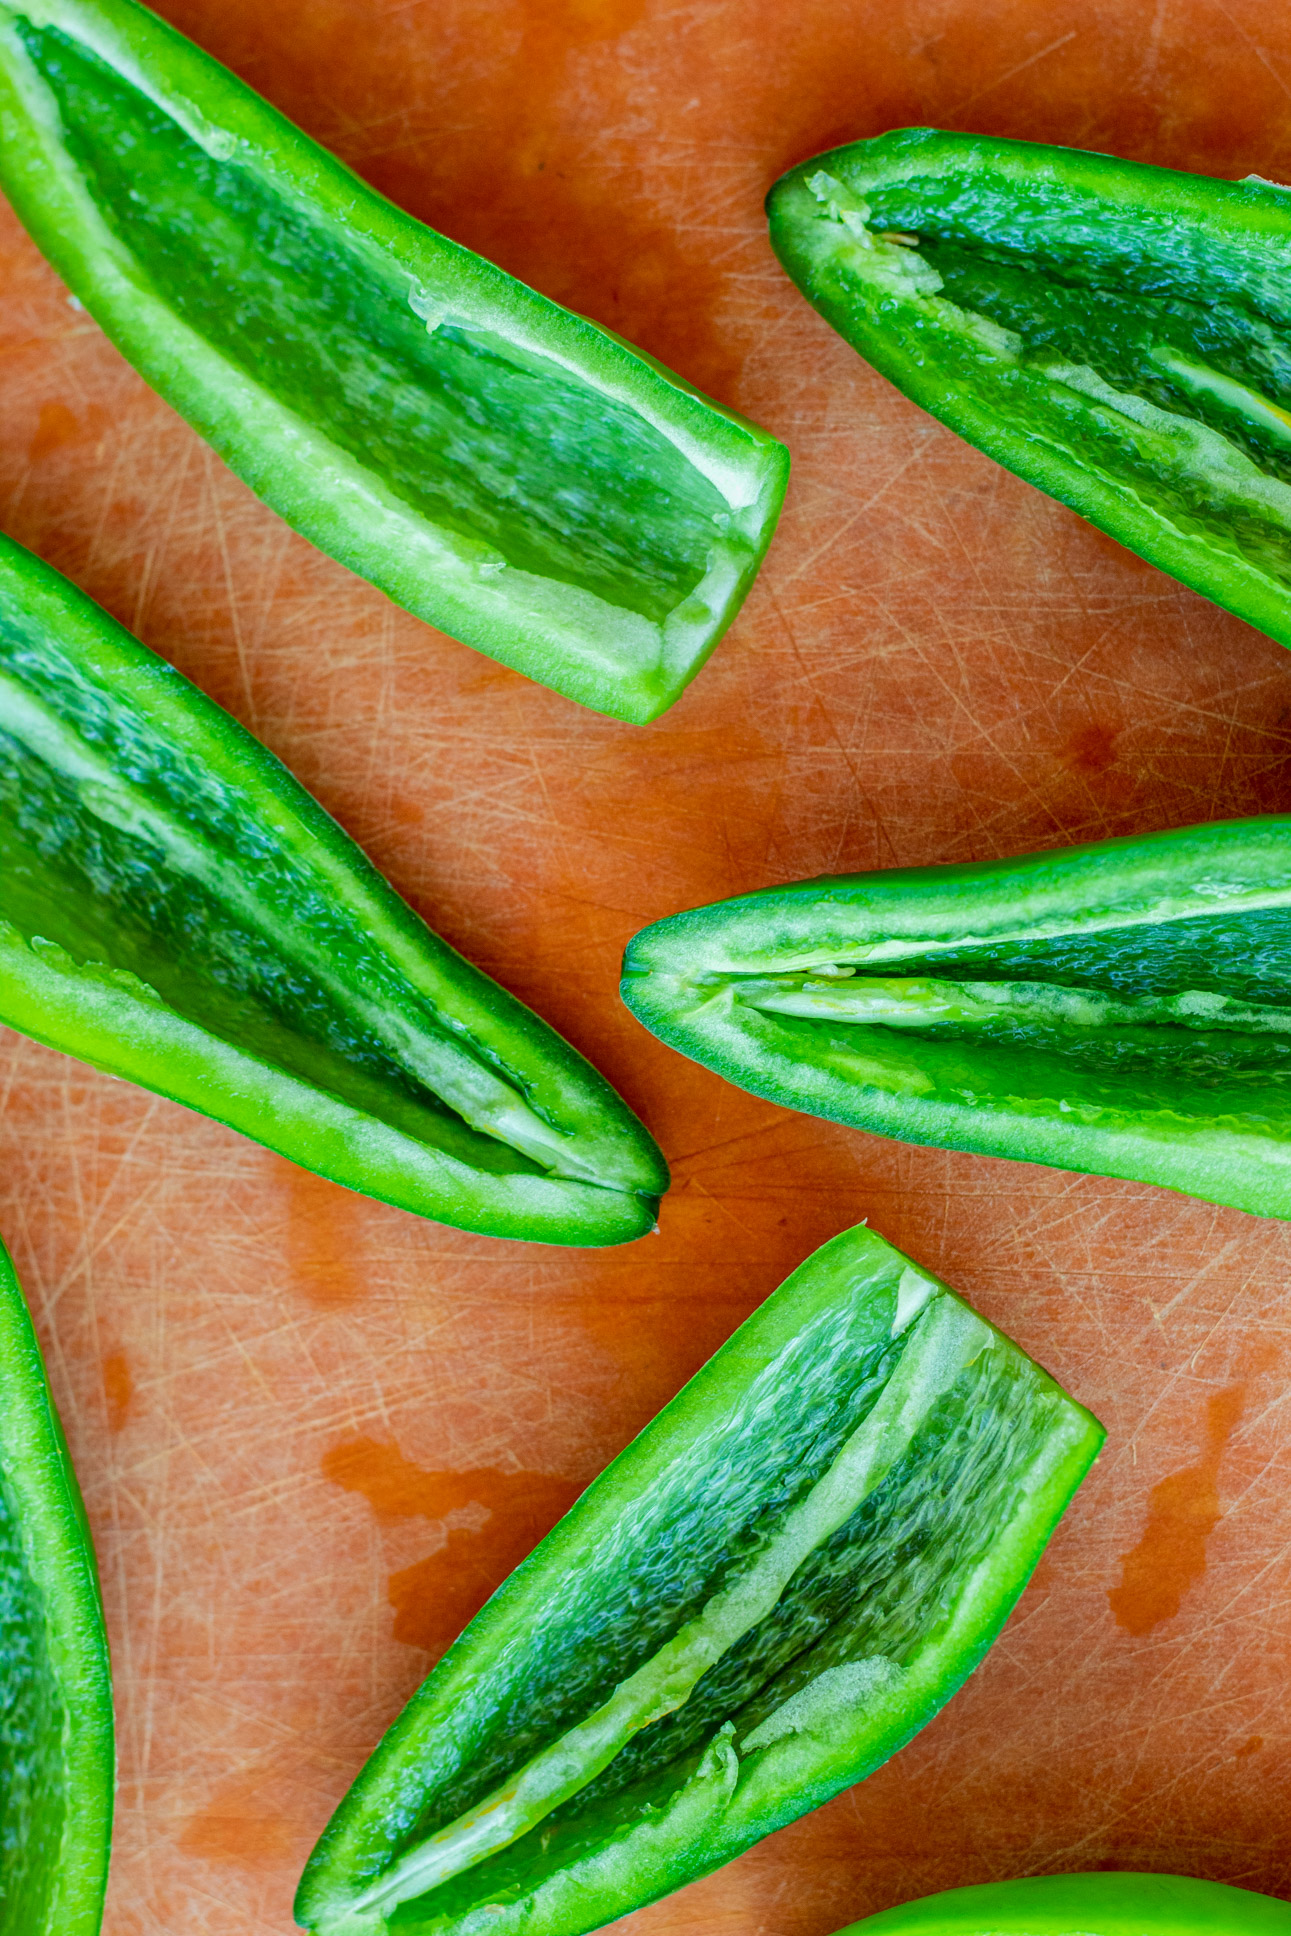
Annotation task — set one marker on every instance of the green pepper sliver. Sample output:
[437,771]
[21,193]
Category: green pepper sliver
[769,1592]
[175,908]
[56,1738]
[1123,1008]
[1103,1903]
[1118,335]
[497,465]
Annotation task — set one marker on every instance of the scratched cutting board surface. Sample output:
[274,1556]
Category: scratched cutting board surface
[315,1433]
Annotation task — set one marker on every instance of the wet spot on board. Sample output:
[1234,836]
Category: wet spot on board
[552,32]
[1092,749]
[58,426]
[118,1389]
[237,1826]
[1183,1511]
[324,1246]
[493,1520]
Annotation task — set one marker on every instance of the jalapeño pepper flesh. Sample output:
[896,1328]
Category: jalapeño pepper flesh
[1123,1008]
[176,909]
[1100,1904]
[769,1592]
[1119,335]
[56,1737]
[497,465]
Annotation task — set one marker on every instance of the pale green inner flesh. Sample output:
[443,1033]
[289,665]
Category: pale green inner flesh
[838,1541]
[1192,1014]
[124,851]
[505,449]
[33,1800]
[1087,305]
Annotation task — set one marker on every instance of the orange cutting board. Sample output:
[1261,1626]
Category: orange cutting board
[314,1433]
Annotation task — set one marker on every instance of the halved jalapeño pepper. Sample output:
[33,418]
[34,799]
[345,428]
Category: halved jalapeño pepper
[175,908]
[1104,1903]
[56,1737]
[1118,335]
[769,1592]
[1123,1008]
[497,465]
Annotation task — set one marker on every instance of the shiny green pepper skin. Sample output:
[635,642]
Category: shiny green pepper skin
[56,1735]
[176,909]
[1101,1904]
[1122,1008]
[776,1585]
[1118,335]
[499,466]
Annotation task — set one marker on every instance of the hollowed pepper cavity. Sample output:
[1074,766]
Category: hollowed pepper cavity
[769,1592]
[176,909]
[1117,334]
[1123,1008]
[499,466]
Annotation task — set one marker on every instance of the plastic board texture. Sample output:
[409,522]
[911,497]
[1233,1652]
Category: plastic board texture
[314,1432]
